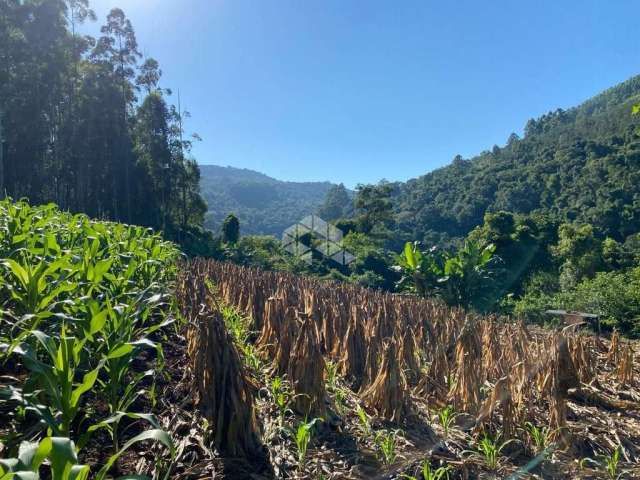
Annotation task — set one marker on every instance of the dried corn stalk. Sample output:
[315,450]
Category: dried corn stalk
[500,399]
[221,387]
[388,395]
[624,372]
[353,361]
[273,320]
[562,376]
[614,350]
[284,344]
[465,394]
[306,372]
[409,356]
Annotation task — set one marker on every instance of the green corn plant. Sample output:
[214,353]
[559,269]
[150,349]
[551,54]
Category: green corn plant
[281,395]
[32,290]
[82,299]
[60,454]
[428,473]
[57,379]
[237,325]
[331,372]
[489,450]
[302,437]
[340,400]
[611,464]
[446,417]
[386,444]
[113,333]
[365,422]
[540,437]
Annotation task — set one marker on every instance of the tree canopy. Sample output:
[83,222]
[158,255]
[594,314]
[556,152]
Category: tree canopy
[85,123]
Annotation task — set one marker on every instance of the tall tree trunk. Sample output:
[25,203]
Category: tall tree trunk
[127,186]
[2,187]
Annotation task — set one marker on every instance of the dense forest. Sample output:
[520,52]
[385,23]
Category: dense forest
[85,122]
[582,165]
[264,205]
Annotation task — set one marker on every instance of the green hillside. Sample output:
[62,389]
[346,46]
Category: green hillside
[263,205]
[580,164]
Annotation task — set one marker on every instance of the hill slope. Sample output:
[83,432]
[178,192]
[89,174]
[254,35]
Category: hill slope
[580,164]
[263,204]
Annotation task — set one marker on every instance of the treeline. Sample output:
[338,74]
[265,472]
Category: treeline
[85,123]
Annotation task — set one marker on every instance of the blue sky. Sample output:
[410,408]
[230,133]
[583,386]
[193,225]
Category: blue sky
[356,91]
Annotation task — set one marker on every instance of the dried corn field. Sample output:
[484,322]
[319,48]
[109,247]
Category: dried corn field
[383,370]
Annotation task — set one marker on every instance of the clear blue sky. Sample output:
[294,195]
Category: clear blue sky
[356,91]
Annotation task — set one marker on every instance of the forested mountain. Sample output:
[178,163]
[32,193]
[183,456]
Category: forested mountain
[582,164]
[84,122]
[263,205]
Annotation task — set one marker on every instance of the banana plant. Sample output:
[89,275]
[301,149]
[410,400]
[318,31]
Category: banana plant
[421,270]
[467,275]
[460,278]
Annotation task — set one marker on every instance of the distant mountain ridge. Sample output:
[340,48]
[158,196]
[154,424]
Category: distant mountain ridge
[581,164]
[264,205]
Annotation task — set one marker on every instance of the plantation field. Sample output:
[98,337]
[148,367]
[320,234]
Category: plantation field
[120,359]
[83,308]
[354,383]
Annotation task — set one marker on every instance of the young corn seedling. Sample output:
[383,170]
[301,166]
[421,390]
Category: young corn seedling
[331,372]
[237,325]
[302,437]
[446,417]
[281,395]
[365,422]
[340,400]
[386,444]
[489,450]
[251,357]
[608,463]
[428,473]
[611,464]
[540,437]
